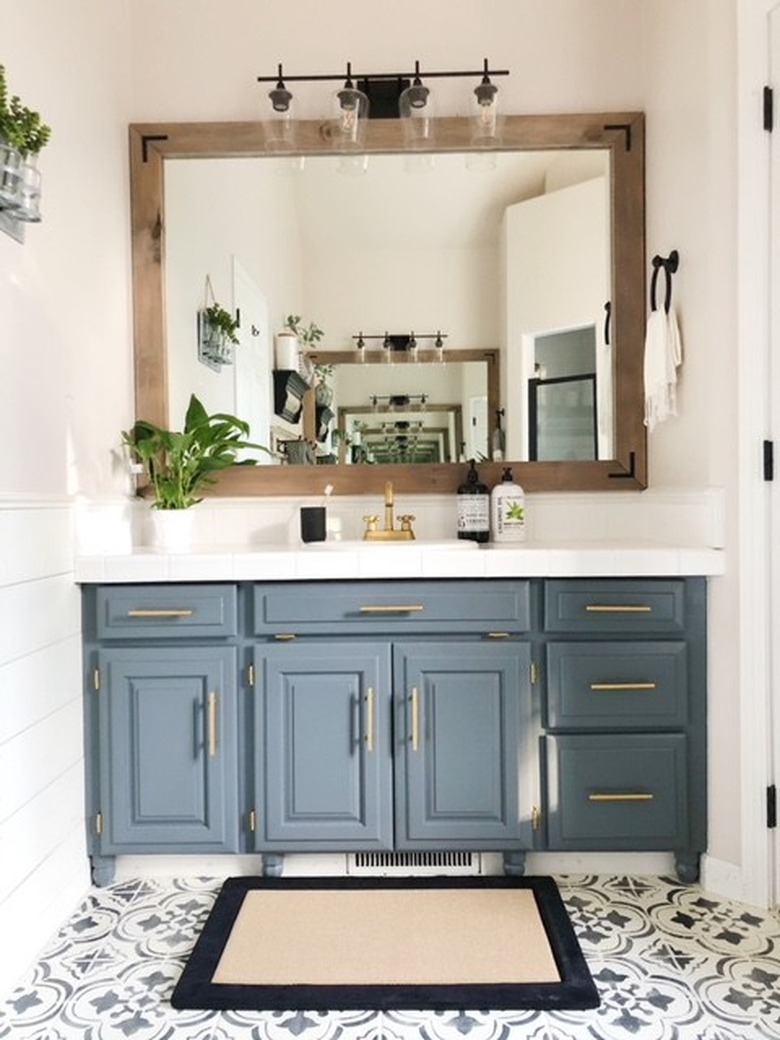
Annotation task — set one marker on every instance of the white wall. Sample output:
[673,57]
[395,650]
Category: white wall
[64,394]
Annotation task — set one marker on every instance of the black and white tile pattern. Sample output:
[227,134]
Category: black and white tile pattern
[670,962]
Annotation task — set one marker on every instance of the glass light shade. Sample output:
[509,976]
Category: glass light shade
[485,115]
[10,175]
[351,107]
[416,107]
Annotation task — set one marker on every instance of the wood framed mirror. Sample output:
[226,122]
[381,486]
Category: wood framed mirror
[618,135]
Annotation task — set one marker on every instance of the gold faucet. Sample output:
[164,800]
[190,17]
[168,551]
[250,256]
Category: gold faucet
[389,533]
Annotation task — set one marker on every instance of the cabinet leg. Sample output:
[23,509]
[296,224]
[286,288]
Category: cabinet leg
[686,864]
[272,864]
[514,864]
[102,869]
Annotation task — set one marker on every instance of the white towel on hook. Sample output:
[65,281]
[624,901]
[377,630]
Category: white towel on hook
[663,355]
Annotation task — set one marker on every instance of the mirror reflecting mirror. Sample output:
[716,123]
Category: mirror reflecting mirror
[534,256]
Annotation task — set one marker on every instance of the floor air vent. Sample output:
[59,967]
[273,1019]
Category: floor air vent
[384,864]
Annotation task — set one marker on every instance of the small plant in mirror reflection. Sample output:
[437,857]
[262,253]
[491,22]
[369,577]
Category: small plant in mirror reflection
[222,320]
[181,464]
[308,335]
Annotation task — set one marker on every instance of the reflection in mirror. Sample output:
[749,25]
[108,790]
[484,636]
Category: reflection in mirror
[498,259]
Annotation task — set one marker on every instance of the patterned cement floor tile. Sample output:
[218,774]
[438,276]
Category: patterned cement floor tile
[670,962]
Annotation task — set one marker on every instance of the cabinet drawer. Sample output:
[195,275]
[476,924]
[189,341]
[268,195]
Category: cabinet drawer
[391,606]
[166,611]
[616,685]
[614,606]
[617,792]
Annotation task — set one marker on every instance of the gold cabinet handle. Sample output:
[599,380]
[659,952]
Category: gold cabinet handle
[212,724]
[384,608]
[370,719]
[536,818]
[161,613]
[606,608]
[629,797]
[600,686]
[415,699]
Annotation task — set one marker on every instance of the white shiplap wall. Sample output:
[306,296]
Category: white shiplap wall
[43,862]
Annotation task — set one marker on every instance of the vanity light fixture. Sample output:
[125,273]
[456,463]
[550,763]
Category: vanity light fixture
[416,109]
[405,401]
[485,108]
[406,345]
[384,91]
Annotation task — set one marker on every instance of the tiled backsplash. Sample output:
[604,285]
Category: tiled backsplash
[659,516]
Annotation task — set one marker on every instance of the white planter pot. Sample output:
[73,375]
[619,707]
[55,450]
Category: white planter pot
[286,348]
[172,529]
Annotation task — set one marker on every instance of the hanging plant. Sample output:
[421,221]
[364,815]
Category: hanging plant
[222,320]
[21,127]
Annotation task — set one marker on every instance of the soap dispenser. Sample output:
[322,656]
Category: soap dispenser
[507,510]
[473,508]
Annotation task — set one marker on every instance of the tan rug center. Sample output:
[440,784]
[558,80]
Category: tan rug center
[387,937]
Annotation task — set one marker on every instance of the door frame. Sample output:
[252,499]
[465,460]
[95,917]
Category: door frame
[754,426]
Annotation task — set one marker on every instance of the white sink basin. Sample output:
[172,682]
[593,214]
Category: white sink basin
[359,545]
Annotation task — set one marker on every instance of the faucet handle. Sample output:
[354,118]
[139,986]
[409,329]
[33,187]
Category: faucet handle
[406,521]
[371,522]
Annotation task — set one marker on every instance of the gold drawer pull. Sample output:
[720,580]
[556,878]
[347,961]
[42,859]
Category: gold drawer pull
[415,698]
[621,797]
[409,608]
[498,635]
[606,608]
[599,686]
[212,724]
[370,719]
[162,613]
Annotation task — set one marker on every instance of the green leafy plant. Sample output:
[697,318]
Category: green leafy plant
[309,335]
[219,318]
[181,464]
[20,126]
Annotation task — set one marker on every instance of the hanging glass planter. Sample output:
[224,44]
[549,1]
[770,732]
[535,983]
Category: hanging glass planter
[217,333]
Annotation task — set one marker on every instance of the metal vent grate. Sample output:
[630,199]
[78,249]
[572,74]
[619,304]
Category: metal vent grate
[387,863]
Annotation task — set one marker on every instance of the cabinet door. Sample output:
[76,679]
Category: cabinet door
[463,726]
[322,721]
[168,777]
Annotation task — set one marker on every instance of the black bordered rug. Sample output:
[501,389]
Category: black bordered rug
[334,944]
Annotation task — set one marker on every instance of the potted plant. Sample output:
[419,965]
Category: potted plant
[308,337]
[22,136]
[323,391]
[181,464]
[218,333]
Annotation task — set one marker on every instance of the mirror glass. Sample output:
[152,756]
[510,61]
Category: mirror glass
[500,256]
[485,304]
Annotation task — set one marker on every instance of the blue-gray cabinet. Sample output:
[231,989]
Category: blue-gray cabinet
[624,752]
[410,741]
[323,740]
[319,716]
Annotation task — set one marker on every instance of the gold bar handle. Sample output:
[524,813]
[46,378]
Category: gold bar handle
[631,797]
[162,613]
[415,698]
[606,608]
[370,719]
[599,686]
[383,608]
[212,724]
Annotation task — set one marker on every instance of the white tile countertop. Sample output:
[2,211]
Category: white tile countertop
[349,560]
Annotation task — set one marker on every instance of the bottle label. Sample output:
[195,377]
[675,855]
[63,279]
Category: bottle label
[473,513]
[510,517]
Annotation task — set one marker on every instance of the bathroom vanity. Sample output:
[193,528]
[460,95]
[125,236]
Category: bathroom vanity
[492,711]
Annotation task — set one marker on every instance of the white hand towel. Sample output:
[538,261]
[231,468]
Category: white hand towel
[663,355]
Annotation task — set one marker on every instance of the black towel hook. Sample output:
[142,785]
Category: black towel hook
[669,264]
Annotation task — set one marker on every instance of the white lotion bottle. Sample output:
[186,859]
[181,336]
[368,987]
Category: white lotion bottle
[507,510]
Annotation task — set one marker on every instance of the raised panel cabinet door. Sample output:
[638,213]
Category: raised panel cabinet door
[322,728]
[168,773]
[464,725]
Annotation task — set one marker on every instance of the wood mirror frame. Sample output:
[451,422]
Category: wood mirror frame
[619,133]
